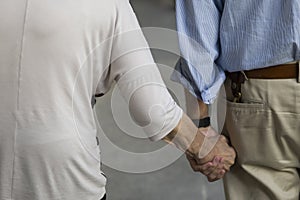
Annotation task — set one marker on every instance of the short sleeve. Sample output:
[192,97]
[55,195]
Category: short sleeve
[132,67]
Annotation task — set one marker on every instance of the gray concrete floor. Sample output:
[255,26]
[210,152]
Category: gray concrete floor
[174,182]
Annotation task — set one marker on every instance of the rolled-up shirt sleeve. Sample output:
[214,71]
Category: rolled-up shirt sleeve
[138,78]
[198,29]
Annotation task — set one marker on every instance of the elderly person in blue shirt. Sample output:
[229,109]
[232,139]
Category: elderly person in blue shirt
[253,47]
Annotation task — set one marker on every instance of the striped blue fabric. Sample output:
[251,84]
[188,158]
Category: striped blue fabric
[230,35]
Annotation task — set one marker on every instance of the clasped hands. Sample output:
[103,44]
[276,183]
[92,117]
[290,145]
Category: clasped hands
[206,150]
[212,156]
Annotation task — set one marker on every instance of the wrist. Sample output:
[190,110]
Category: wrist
[184,135]
[195,147]
[203,143]
[202,123]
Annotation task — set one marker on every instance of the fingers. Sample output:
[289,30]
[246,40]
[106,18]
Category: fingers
[217,172]
[209,169]
[223,150]
[212,170]
[230,159]
[198,168]
[216,176]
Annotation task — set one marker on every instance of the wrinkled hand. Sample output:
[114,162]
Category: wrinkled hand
[212,170]
[217,158]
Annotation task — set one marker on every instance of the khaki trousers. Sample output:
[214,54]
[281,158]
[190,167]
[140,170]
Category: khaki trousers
[265,132]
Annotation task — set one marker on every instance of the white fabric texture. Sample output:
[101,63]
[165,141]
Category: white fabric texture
[54,56]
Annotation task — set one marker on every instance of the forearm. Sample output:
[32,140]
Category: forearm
[186,137]
[196,108]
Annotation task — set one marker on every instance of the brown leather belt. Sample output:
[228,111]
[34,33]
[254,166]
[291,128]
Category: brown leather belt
[284,71]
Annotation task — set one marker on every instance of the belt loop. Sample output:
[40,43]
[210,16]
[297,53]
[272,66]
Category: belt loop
[298,71]
[244,74]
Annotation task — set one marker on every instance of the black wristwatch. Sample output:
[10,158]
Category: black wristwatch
[202,123]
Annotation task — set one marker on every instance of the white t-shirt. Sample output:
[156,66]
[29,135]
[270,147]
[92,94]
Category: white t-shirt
[54,56]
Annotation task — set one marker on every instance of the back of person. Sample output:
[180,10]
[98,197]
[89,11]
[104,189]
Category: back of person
[48,75]
[236,35]
[247,27]
[253,48]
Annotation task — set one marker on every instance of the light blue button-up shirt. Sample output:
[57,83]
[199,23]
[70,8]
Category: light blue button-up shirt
[229,35]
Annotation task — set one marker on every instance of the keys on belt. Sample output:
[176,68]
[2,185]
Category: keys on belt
[237,79]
